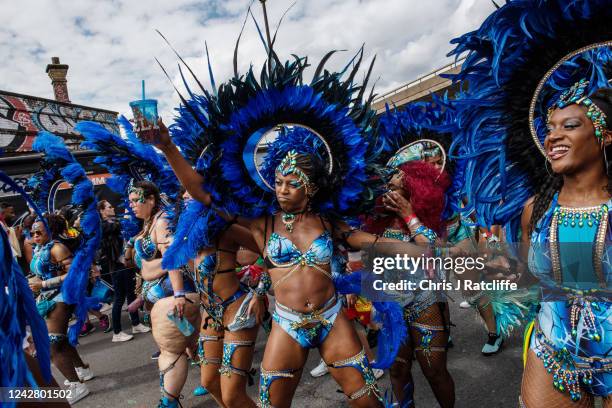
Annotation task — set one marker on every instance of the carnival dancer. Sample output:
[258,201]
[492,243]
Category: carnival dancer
[168,293]
[231,312]
[546,85]
[415,201]
[314,172]
[61,261]
[228,333]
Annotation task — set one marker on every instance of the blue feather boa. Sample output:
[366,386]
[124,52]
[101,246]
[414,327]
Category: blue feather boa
[18,309]
[198,227]
[74,287]
[389,314]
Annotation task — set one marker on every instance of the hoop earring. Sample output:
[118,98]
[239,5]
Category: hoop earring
[546,167]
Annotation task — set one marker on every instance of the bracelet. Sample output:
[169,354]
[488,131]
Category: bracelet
[411,220]
[426,232]
[414,227]
[52,283]
[265,283]
[179,293]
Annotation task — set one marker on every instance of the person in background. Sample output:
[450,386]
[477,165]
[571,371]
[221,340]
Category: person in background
[7,215]
[73,219]
[111,263]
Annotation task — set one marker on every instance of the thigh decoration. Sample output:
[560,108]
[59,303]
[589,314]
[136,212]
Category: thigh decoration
[229,347]
[201,354]
[266,378]
[360,363]
[412,313]
[57,338]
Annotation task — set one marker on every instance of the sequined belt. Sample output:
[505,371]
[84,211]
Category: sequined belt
[568,370]
[301,320]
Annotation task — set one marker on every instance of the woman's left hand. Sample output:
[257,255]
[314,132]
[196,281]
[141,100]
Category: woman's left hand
[396,202]
[35,284]
[179,306]
[257,307]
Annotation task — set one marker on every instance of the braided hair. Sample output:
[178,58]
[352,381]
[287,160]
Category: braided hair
[603,99]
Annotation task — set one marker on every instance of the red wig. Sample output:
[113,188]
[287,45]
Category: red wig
[425,187]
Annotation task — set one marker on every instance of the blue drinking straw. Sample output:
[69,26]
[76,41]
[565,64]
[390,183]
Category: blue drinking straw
[143,90]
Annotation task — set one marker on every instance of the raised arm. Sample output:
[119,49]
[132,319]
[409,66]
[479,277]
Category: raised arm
[191,179]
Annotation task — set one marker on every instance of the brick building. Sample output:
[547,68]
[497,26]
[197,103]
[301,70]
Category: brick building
[23,116]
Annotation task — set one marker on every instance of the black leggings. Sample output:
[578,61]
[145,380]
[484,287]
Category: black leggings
[124,285]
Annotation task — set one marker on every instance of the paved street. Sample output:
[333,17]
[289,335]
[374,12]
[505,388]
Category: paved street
[127,377]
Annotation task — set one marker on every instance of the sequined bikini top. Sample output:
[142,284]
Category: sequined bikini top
[145,248]
[41,264]
[282,252]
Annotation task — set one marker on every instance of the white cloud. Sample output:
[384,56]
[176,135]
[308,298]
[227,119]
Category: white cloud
[110,45]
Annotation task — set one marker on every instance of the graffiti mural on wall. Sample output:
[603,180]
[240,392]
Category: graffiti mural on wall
[22,117]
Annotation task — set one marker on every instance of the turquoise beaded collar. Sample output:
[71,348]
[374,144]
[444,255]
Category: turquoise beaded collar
[579,217]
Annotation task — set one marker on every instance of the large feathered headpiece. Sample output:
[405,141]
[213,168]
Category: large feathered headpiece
[59,160]
[235,116]
[128,160]
[419,130]
[507,57]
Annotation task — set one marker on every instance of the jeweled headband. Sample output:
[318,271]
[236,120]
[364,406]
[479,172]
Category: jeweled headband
[577,94]
[417,150]
[289,166]
[136,190]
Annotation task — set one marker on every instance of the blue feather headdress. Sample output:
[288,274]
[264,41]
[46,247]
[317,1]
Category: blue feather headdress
[400,127]
[129,159]
[74,287]
[233,117]
[198,226]
[506,59]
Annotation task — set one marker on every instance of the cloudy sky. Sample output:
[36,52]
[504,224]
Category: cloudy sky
[110,45]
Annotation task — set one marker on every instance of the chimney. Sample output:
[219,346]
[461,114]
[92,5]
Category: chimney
[57,72]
